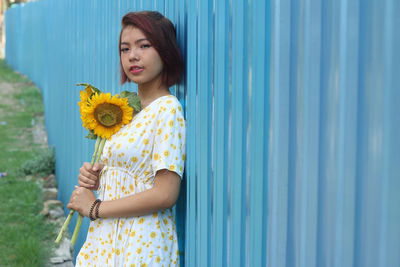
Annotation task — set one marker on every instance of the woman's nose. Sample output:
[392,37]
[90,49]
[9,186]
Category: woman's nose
[133,55]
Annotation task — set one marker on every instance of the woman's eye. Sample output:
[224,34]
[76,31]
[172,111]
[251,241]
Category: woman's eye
[145,46]
[124,49]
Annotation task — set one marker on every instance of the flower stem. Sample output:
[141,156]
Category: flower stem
[100,151]
[64,227]
[76,231]
[96,148]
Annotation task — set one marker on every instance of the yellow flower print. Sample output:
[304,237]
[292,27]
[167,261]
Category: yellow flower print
[118,146]
[159,131]
[142,165]
[141,220]
[171,123]
[166,137]
[133,233]
[118,252]
[165,221]
[166,153]
[183,157]
[158,259]
[86,256]
[153,234]
[145,141]
[119,237]
[180,108]
[91,229]
[131,187]
[139,250]
[134,159]
[156,156]
[138,125]
[173,111]
[172,167]
[131,140]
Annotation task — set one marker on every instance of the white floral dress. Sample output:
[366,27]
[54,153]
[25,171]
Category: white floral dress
[154,140]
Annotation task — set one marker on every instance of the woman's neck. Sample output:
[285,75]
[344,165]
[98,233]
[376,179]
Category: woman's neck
[149,93]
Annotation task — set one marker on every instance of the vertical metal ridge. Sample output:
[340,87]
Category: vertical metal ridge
[220,136]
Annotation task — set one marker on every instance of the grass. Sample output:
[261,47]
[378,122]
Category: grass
[25,236]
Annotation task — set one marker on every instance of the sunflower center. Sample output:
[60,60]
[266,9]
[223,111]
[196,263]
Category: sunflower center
[108,114]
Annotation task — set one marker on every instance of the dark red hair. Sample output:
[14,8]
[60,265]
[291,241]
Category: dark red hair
[162,35]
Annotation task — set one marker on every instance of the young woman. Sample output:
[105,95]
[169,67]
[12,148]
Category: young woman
[139,179]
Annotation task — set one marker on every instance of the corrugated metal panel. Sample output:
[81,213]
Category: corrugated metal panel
[291,114]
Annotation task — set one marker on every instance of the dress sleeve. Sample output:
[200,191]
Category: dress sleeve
[170,139]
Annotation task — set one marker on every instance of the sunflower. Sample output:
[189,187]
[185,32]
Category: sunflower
[105,114]
[85,95]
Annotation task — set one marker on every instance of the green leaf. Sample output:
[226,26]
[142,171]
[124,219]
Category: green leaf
[90,86]
[91,136]
[133,100]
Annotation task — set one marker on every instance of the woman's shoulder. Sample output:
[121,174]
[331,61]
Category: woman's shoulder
[170,100]
[169,103]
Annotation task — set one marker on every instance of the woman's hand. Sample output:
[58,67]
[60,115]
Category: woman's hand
[81,200]
[89,175]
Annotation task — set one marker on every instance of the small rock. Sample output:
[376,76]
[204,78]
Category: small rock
[49,205]
[50,193]
[64,264]
[56,260]
[64,250]
[56,213]
[50,181]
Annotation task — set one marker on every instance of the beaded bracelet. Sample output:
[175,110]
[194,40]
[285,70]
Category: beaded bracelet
[97,210]
[91,209]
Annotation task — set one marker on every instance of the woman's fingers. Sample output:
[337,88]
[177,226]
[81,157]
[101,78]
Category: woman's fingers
[97,167]
[81,200]
[88,174]
[86,182]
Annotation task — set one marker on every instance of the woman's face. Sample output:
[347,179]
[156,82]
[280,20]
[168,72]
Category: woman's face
[140,60]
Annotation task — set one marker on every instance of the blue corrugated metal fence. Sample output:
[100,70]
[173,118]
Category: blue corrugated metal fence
[292,109]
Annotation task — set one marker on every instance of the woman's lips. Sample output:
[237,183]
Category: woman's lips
[135,69]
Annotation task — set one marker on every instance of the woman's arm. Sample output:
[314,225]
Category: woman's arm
[162,195]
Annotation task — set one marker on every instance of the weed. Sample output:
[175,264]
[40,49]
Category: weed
[42,164]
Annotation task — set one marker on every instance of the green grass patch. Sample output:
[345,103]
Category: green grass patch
[31,99]
[24,233]
[26,238]
[10,76]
